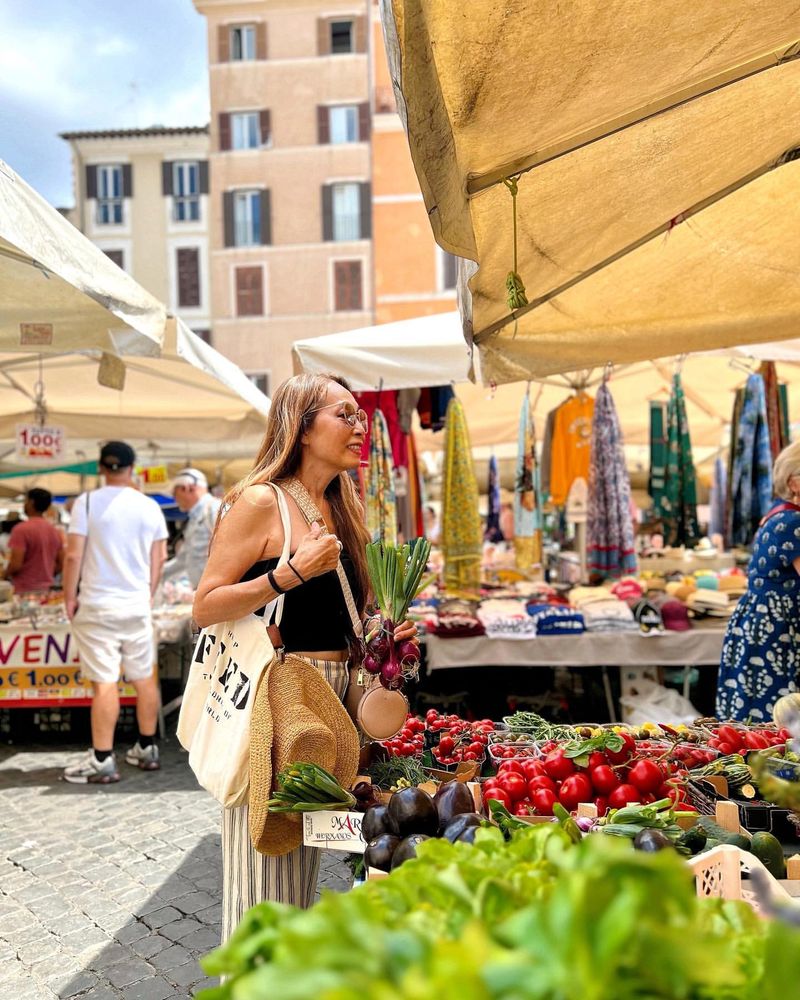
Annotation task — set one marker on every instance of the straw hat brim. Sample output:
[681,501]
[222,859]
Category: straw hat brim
[297,716]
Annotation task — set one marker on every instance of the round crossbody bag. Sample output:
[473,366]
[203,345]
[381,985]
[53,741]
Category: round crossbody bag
[378,713]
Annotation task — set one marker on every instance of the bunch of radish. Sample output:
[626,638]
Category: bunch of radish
[395,572]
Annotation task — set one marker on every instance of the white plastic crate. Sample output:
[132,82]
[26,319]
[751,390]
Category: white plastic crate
[718,873]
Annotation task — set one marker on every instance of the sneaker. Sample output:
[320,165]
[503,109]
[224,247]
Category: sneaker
[90,771]
[146,759]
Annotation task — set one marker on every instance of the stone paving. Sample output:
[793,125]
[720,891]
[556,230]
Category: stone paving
[109,891]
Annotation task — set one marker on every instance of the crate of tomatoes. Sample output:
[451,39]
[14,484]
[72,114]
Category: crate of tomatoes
[450,739]
[609,770]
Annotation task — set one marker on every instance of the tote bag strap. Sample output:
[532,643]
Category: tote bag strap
[311,513]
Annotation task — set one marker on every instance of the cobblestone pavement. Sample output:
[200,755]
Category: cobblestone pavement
[109,891]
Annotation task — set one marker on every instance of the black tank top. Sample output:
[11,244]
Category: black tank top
[315,616]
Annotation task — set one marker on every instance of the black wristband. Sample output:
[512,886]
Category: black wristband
[299,577]
[273,583]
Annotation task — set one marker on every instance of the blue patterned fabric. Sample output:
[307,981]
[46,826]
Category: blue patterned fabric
[761,651]
[493,532]
[751,479]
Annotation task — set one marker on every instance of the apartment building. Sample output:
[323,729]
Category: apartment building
[290,180]
[413,275]
[142,195]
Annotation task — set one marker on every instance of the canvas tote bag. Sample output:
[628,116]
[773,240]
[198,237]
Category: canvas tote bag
[228,663]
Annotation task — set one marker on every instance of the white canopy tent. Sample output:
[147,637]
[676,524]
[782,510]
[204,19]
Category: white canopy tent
[85,348]
[657,152]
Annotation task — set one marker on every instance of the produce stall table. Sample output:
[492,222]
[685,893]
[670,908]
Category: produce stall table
[632,653]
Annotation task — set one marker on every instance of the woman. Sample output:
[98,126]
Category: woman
[313,439]
[760,654]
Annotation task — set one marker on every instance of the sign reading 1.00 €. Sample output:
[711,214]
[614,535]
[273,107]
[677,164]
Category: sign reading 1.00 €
[40,444]
[42,665]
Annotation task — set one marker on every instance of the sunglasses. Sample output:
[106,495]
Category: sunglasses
[348,412]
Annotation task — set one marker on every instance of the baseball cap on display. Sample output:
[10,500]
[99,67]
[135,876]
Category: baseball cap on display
[627,589]
[648,617]
[190,477]
[116,455]
[675,616]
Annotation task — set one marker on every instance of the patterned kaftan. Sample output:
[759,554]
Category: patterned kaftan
[761,654]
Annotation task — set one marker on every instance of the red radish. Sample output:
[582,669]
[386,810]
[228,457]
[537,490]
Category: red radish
[391,675]
[408,650]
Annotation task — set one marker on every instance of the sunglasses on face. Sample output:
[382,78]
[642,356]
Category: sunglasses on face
[347,412]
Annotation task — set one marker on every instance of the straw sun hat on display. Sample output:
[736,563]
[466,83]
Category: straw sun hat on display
[297,717]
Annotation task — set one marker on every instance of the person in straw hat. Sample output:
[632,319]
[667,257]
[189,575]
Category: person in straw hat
[314,437]
[760,653]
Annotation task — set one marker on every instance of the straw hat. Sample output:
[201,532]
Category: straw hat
[297,717]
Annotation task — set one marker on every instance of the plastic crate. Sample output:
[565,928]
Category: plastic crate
[755,817]
[724,871]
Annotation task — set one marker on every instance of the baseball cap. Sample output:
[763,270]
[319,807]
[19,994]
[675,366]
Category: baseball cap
[675,616]
[627,590]
[116,455]
[190,477]
[648,617]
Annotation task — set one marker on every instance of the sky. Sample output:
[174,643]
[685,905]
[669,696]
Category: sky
[70,65]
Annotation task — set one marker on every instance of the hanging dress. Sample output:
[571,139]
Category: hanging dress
[461,523]
[679,502]
[527,509]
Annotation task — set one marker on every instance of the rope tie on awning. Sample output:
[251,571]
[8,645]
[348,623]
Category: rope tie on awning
[515,289]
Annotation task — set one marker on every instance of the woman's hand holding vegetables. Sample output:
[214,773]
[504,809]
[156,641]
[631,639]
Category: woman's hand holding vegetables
[406,631]
[317,553]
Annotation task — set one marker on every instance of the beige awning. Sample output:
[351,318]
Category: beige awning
[657,152]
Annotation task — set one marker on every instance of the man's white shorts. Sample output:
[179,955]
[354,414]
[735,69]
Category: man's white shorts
[109,642]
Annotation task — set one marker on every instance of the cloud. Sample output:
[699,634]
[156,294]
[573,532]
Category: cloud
[114,46]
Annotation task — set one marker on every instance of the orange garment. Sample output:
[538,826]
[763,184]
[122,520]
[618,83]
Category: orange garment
[571,446]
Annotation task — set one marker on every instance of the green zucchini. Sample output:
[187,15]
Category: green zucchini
[715,831]
[694,839]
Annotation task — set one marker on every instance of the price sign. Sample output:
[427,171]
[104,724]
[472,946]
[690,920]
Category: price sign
[153,473]
[40,444]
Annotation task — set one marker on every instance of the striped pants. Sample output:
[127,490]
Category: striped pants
[249,877]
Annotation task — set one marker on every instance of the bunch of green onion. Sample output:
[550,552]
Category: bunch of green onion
[308,788]
[396,574]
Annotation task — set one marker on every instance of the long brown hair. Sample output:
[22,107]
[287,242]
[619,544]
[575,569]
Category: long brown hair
[279,457]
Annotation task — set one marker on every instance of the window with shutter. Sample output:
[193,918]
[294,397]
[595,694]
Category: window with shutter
[247,218]
[243,43]
[224,120]
[117,256]
[188,270]
[249,291]
[343,124]
[342,37]
[347,286]
[346,211]
[109,194]
[265,127]
[186,191]
[245,130]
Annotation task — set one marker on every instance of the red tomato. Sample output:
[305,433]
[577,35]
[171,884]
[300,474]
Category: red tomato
[533,768]
[623,796]
[469,755]
[502,797]
[408,749]
[558,766]
[543,801]
[476,748]
[431,715]
[603,779]
[601,804]
[597,759]
[514,785]
[646,775]
[446,744]
[622,755]
[511,765]
[541,781]
[575,789]
[523,808]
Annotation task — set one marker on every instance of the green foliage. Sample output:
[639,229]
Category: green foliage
[533,918]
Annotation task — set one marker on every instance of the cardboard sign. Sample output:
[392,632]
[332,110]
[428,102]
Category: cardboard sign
[35,334]
[40,444]
[335,830]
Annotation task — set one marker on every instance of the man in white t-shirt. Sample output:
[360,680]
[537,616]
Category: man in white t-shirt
[116,548]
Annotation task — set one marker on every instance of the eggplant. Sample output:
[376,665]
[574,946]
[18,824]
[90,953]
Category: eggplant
[651,840]
[467,835]
[407,849]
[411,810]
[375,822]
[452,799]
[380,851]
[460,823]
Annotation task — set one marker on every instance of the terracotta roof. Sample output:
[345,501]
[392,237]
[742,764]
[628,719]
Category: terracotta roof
[135,133]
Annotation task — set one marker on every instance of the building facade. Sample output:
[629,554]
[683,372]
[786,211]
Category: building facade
[142,195]
[290,178]
[413,276]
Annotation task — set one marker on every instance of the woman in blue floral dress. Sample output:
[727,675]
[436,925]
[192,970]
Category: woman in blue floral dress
[761,651]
